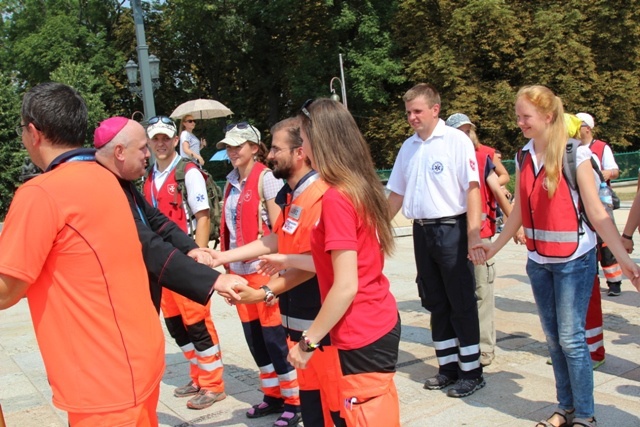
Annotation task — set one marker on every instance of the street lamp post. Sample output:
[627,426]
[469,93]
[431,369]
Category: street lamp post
[149,66]
[343,89]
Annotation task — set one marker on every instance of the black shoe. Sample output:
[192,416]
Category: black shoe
[466,387]
[438,382]
[264,408]
[614,289]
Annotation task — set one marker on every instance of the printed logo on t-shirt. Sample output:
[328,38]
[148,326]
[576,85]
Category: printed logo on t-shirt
[171,188]
[472,163]
[200,197]
[437,167]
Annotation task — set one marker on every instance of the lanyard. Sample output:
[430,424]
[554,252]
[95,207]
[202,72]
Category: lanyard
[75,155]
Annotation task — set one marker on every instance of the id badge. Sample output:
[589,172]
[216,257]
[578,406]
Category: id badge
[290,226]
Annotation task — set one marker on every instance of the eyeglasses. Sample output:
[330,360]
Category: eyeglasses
[306,105]
[164,119]
[190,121]
[276,150]
[19,128]
[241,126]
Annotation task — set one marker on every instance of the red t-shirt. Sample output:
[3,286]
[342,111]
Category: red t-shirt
[373,312]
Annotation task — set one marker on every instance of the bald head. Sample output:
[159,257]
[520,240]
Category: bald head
[126,153]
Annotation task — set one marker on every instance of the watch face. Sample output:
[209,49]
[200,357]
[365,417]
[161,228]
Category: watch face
[269,297]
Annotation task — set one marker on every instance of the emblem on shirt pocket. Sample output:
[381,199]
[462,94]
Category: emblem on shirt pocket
[437,167]
[171,188]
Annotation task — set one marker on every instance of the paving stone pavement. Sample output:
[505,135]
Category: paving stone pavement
[520,386]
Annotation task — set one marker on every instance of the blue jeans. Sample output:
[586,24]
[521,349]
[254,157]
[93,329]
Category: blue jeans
[562,293]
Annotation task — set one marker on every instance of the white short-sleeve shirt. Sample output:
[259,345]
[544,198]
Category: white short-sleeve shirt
[588,238]
[194,143]
[608,161]
[433,176]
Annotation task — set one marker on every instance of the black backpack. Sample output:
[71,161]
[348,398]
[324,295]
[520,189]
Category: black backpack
[214,195]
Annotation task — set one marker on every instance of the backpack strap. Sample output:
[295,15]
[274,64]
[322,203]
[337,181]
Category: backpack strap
[263,202]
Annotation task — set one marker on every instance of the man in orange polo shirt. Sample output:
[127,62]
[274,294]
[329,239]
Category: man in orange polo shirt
[70,245]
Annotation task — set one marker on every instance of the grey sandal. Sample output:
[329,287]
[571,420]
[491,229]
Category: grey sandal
[567,416]
[584,422]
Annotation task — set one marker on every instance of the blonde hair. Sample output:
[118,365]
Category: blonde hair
[182,123]
[473,136]
[546,102]
[344,161]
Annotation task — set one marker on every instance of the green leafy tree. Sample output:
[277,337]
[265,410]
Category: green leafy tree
[12,153]
[82,78]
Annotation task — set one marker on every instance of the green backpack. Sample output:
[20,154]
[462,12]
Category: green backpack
[214,195]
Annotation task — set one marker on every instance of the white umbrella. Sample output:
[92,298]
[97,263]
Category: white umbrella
[201,109]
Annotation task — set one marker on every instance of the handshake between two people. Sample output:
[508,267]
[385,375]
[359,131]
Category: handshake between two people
[233,288]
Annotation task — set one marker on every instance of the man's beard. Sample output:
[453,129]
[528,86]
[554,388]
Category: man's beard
[282,170]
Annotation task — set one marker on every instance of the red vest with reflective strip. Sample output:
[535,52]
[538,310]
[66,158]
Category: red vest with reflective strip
[168,197]
[247,210]
[597,148]
[488,224]
[552,226]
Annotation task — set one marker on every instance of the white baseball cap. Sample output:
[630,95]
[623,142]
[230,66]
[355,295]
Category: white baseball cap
[587,119]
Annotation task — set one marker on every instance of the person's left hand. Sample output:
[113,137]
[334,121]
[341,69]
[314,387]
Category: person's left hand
[203,142]
[298,358]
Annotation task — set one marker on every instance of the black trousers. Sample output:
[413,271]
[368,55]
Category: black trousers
[446,286]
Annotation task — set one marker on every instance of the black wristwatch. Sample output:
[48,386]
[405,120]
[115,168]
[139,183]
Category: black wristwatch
[268,294]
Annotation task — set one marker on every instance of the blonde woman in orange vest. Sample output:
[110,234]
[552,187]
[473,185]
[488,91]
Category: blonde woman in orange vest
[248,210]
[561,246]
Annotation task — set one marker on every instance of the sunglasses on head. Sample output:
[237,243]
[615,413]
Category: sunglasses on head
[240,125]
[163,119]
[305,107]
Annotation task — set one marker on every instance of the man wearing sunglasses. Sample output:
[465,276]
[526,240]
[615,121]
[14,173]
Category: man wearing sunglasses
[188,322]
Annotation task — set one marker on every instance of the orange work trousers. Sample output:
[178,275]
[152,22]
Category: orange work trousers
[370,400]
[191,325]
[323,374]
[142,415]
[265,335]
